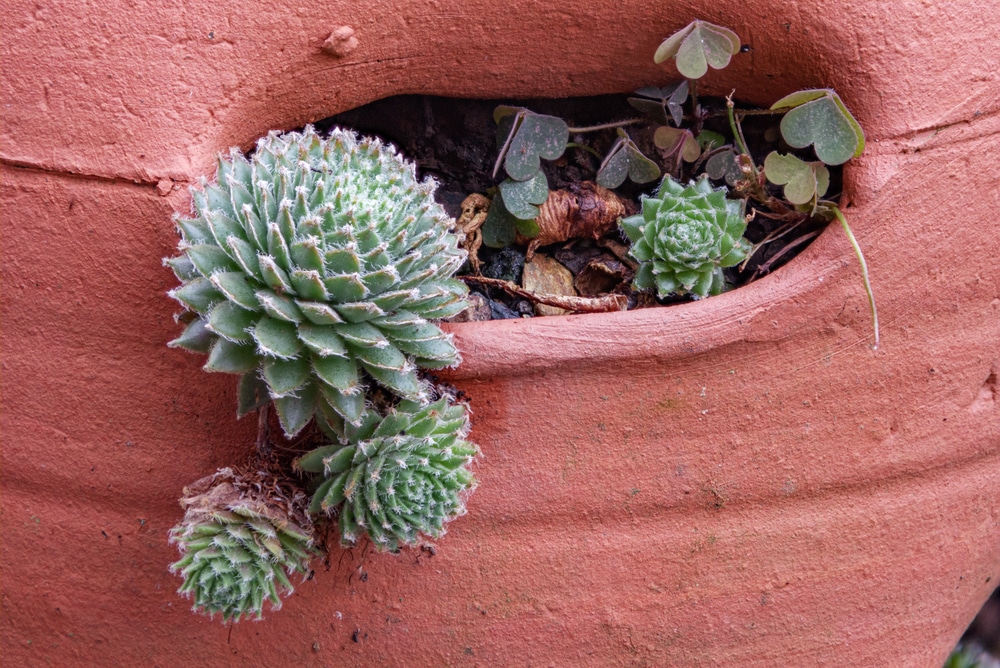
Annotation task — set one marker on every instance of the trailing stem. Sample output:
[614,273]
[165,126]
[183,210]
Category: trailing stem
[864,269]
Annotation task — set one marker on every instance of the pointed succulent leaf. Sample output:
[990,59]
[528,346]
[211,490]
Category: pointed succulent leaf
[229,357]
[182,267]
[228,573]
[296,409]
[198,294]
[350,406]
[231,321]
[279,306]
[252,394]
[193,230]
[196,337]
[276,338]
[284,376]
[682,236]
[309,234]
[337,372]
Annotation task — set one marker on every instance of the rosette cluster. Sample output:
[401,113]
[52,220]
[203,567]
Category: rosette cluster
[396,477]
[684,236]
[315,266]
[239,543]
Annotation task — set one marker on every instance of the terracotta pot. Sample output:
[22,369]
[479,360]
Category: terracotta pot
[736,481]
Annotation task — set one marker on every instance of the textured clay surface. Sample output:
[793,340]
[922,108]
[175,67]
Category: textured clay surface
[739,481]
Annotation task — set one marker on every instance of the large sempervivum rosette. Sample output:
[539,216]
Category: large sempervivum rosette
[314,264]
[242,535]
[685,236]
[396,477]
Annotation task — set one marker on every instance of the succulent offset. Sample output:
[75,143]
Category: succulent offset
[313,265]
[398,477]
[685,236]
[242,535]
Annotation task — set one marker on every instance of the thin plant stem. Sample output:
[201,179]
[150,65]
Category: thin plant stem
[741,142]
[586,148]
[760,112]
[607,126]
[864,269]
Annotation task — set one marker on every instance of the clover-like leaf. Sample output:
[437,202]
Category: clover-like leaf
[724,164]
[709,140]
[500,227]
[656,103]
[522,197]
[676,139]
[698,45]
[819,117]
[804,181]
[525,137]
[626,160]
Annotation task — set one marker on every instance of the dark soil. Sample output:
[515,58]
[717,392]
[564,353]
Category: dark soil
[454,140]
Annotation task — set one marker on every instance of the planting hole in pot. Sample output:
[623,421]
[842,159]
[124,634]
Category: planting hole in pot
[457,142]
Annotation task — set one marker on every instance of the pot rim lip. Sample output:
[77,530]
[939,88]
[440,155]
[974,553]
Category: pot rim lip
[517,347]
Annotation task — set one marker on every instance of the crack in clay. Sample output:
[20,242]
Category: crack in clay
[104,178]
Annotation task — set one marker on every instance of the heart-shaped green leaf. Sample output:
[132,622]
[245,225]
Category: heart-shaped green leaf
[614,169]
[709,140]
[640,168]
[626,160]
[522,197]
[804,181]
[524,137]
[819,117]
[676,139]
[724,165]
[698,45]
[499,229]
[656,103]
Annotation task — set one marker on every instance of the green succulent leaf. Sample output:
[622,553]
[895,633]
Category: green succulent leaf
[804,181]
[228,357]
[698,45]
[196,338]
[238,546]
[398,477]
[820,118]
[684,236]
[252,394]
[292,253]
[521,198]
[296,409]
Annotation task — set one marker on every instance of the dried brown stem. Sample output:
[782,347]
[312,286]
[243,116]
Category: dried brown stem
[602,304]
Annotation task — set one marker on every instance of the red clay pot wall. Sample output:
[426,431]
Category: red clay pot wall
[738,481]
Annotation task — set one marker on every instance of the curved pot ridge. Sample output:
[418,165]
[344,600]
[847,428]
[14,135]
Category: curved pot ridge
[740,480]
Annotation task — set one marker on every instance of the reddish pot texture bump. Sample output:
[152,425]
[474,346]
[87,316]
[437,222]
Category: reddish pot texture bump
[741,480]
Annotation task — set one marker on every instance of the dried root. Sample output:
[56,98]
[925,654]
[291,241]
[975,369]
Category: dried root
[474,210]
[601,304]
